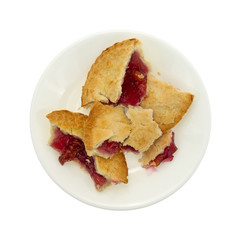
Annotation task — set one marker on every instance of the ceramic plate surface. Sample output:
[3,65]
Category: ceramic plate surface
[60,88]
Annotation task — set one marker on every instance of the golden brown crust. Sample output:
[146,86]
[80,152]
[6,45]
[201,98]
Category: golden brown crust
[168,103]
[144,131]
[106,75]
[114,168]
[105,122]
[156,148]
[69,122]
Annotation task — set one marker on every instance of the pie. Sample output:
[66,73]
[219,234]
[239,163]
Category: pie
[161,150]
[67,138]
[109,129]
[168,103]
[118,76]
[130,110]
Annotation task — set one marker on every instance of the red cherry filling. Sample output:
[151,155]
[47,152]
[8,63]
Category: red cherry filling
[129,149]
[110,148]
[134,85]
[73,148]
[167,154]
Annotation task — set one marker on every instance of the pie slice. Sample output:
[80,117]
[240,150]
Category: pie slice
[118,76]
[168,103]
[67,132]
[162,150]
[144,131]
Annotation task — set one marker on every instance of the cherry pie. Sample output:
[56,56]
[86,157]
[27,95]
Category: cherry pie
[66,138]
[130,111]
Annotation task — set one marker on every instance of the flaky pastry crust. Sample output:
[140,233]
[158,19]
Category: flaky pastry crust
[144,131]
[105,122]
[114,168]
[105,78]
[156,148]
[168,103]
[69,122]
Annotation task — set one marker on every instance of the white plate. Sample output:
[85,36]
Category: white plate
[60,88]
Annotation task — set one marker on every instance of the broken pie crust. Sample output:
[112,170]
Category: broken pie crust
[135,128]
[105,122]
[69,122]
[168,103]
[156,148]
[105,78]
[144,131]
[114,168]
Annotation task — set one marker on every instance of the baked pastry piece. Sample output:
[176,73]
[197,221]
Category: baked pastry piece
[115,168]
[69,122]
[66,137]
[162,150]
[168,103]
[144,131]
[109,129]
[117,76]
[106,127]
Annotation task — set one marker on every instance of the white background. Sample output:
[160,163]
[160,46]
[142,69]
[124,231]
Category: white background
[32,206]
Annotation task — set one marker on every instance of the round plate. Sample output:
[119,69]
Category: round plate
[60,88]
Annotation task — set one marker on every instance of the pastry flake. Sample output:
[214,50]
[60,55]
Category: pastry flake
[144,131]
[168,103]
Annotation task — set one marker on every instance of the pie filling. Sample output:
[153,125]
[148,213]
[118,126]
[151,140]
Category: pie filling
[166,155]
[129,149]
[134,85]
[110,148]
[73,148]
